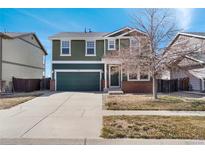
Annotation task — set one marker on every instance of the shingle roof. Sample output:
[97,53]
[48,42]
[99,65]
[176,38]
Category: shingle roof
[14,34]
[195,33]
[79,34]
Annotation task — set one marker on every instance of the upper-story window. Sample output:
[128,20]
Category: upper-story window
[65,48]
[134,43]
[90,48]
[111,44]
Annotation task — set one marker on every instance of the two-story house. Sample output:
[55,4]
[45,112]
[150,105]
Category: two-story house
[191,67]
[78,62]
[22,56]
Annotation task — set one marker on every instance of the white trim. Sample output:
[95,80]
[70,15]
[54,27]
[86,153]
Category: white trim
[194,59]
[181,33]
[77,70]
[108,46]
[118,31]
[131,32]
[86,48]
[76,62]
[194,35]
[105,76]
[110,77]
[69,47]
[119,45]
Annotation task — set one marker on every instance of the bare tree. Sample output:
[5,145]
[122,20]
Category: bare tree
[159,28]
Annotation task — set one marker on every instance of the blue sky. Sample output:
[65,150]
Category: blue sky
[46,22]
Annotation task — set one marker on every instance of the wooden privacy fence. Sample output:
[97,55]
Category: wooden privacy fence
[28,85]
[173,85]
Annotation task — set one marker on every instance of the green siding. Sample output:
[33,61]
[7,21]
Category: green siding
[78,51]
[78,81]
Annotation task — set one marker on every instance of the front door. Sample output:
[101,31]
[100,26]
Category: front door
[114,76]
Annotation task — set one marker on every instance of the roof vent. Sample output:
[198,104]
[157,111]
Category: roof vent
[90,30]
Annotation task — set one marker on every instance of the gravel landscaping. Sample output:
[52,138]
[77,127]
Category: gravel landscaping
[154,127]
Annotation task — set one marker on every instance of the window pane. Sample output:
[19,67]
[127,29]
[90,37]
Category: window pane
[65,44]
[133,76]
[90,51]
[144,75]
[65,50]
[90,44]
[111,46]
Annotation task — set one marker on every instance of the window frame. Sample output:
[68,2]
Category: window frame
[86,47]
[108,44]
[138,76]
[69,47]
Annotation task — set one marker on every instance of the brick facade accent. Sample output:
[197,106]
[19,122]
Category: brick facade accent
[137,86]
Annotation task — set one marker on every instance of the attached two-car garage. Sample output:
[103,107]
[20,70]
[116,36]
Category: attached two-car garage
[78,80]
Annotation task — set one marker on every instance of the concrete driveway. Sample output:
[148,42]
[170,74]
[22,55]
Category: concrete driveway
[57,115]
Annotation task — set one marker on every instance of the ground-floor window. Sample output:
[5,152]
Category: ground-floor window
[138,74]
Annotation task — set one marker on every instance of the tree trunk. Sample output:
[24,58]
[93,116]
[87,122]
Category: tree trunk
[154,90]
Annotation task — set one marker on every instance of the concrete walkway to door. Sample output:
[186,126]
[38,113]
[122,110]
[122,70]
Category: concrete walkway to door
[57,115]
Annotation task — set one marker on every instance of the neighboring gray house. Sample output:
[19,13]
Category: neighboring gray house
[22,56]
[192,67]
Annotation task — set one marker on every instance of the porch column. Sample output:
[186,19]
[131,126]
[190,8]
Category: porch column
[105,77]
[119,44]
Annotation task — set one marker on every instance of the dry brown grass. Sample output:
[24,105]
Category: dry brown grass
[6,103]
[154,127]
[145,102]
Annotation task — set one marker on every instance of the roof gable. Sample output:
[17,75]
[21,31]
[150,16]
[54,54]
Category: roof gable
[119,32]
[14,35]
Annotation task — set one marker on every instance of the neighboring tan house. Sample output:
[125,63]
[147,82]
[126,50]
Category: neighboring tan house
[22,56]
[78,63]
[191,67]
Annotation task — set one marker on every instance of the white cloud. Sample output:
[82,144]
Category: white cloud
[52,24]
[184,17]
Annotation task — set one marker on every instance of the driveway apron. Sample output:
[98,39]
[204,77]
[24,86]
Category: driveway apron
[59,115]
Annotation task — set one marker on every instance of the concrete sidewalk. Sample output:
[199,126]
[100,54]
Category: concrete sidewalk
[90,141]
[151,112]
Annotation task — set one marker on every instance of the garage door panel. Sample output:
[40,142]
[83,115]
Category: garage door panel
[78,81]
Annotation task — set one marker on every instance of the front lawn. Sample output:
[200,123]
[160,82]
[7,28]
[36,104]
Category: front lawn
[6,103]
[154,127]
[145,102]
